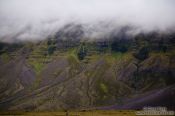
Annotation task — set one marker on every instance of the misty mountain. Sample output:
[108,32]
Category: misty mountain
[115,73]
[74,55]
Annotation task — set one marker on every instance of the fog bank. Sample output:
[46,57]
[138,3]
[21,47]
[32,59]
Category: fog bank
[36,19]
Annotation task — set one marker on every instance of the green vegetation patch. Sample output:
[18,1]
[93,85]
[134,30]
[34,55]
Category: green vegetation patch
[103,88]
[37,66]
[72,54]
[5,57]
[38,57]
[118,57]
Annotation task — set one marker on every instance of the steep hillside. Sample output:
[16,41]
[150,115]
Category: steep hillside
[118,74]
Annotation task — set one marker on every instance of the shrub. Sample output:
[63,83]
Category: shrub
[51,49]
[142,54]
[82,52]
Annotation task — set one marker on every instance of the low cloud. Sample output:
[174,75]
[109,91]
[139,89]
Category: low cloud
[37,19]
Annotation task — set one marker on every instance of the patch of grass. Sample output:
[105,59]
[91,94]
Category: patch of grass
[73,61]
[72,55]
[5,57]
[117,57]
[37,66]
[38,57]
[103,88]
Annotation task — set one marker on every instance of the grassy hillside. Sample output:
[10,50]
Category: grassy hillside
[46,77]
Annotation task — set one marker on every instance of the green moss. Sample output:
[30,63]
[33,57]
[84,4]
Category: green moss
[72,60]
[5,57]
[37,66]
[93,58]
[38,57]
[103,88]
[117,55]
[71,55]
[122,56]
[74,63]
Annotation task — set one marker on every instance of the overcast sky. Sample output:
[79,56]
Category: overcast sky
[36,19]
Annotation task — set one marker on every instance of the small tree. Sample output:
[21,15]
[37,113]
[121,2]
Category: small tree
[120,46]
[142,54]
[82,52]
[51,49]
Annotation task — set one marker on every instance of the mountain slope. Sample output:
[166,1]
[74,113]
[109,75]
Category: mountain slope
[40,76]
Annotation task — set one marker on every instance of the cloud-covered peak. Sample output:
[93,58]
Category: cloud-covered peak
[36,19]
